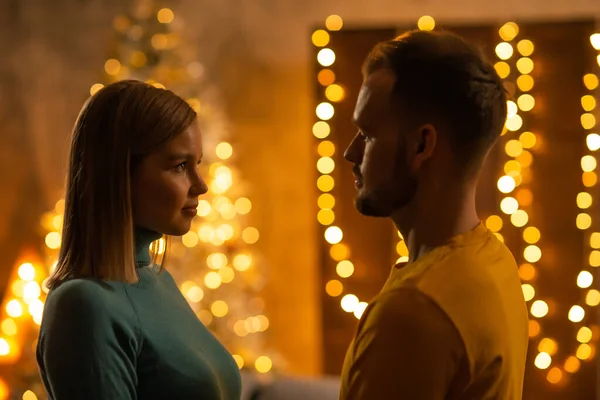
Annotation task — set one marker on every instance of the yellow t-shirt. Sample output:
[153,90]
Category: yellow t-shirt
[451,325]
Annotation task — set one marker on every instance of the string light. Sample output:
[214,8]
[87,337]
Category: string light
[333,92]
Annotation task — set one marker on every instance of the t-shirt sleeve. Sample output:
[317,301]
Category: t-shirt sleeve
[87,346]
[406,348]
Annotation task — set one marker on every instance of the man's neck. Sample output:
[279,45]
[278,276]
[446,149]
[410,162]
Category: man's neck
[426,225]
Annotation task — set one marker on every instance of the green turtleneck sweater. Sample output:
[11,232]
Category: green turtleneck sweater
[118,341]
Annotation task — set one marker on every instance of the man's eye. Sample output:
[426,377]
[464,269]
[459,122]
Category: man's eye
[180,167]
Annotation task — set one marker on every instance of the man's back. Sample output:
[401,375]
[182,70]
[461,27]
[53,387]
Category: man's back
[452,325]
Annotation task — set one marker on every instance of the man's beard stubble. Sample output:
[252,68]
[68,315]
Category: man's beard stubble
[392,196]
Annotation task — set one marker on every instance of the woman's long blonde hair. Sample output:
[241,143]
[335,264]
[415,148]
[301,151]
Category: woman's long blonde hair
[116,128]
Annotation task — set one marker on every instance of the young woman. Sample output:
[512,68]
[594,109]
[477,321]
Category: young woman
[115,325]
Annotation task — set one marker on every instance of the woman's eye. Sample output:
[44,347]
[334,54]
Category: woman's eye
[180,167]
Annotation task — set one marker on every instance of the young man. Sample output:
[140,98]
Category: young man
[452,322]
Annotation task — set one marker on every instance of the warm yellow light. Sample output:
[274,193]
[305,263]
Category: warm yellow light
[526,102]
[320,38]
[532,253]
[588,102]
[585,279]
[212,280]
[224,150]
[26,271]
[548,345]
[360,309]
[584,335]
[576,314]
[525,158]
[14,308]
[326,201]
[588,163]
[165,15]
[9,327]
[595,240]
[509,31]
[584,351]
[426,23]
[334,22]
[339,252]
[195,293]
[138,59]
[590,81]
[527,139]
[219,308]
[589,179]
[326,148]
[326,77]
[112,66]
[242,262]
[493,223]
[53,240]
[159,41]
[525,83]
[572,364]
[334,288]
[335,93]
[31,291]
[543,360]
[555,375]
[243,205]
[349,302]
[227,274]
[325,183]
[525,47]
[595,258]
[263,364]
[595,40]
[539,309]
[333,235]
[592,298]
[325,165]
[238,360]
[216,260]
[504,51]
[95,88]
[588,121]
[525,65]
[509,205]
[250,235]
[531,235]
[513,148]
[519,218]
[511,167]
[584,221]
[502,69]
[499,237]
[506,184]
[527,272]
[326,217]
[511,109]
[528,292]
[584,200]
[325,111]
[190,239]
[534,328]
[345,269]
[321,129]
[514,123]
[593,141]
[326,57]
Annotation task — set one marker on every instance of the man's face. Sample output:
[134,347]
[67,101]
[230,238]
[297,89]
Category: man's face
[381,150]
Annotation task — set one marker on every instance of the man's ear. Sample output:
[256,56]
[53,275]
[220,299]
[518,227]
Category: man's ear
[426,142]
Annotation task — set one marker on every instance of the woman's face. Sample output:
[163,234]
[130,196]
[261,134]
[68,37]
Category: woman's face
[166,185]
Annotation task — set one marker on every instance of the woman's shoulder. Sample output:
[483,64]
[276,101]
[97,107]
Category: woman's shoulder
[86,296]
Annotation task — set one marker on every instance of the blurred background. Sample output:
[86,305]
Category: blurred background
[279,265]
